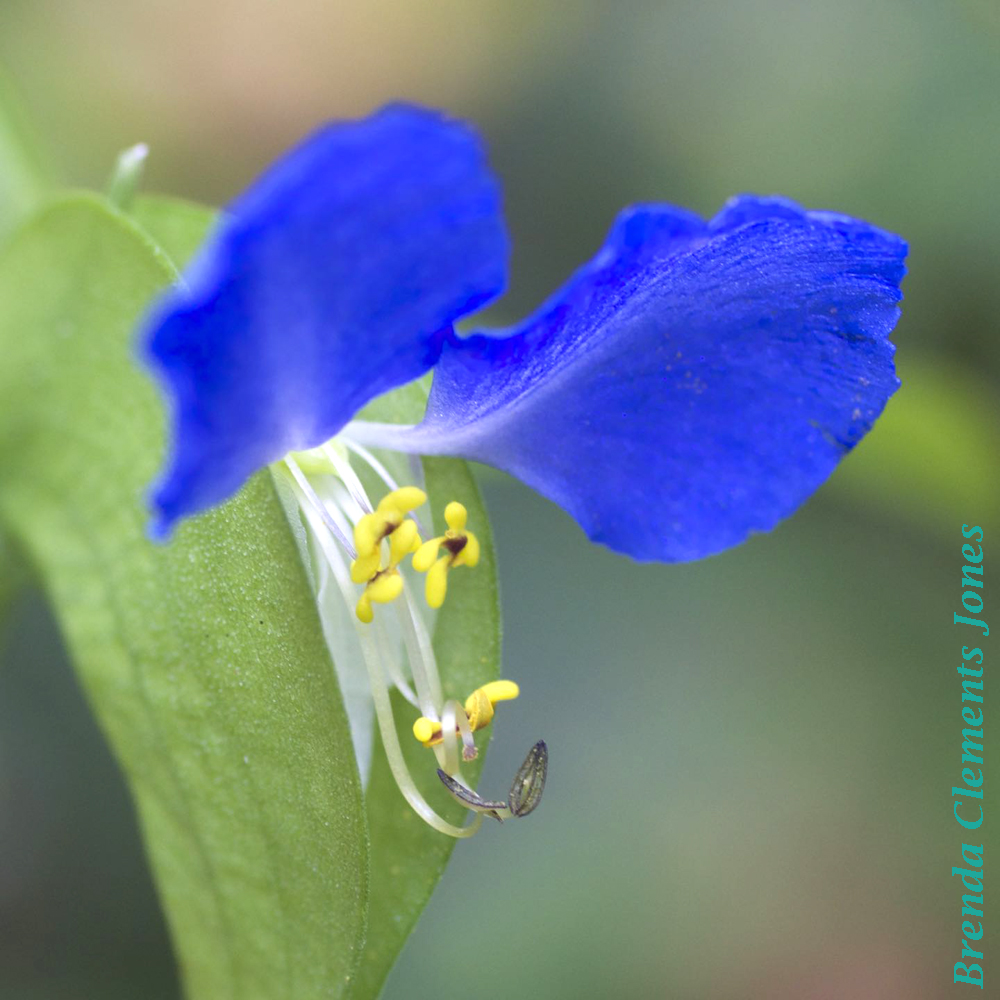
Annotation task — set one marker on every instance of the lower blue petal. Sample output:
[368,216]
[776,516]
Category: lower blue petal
[335,278]
[692,385]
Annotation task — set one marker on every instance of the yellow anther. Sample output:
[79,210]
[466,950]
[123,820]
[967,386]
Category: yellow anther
[461,547]
[387,521]
[423,729]
[455,515]
[403,500]
[365,567]
[479,707]
[371,529]
[469,556]
[385,587]
[424,557]
[437,582]
[363,609]
[501,691]
[404,540]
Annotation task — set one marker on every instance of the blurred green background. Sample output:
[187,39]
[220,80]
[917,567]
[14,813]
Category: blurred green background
[752,756]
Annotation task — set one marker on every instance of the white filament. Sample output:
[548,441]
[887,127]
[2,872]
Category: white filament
[349,478]
[327,521]
[316,504]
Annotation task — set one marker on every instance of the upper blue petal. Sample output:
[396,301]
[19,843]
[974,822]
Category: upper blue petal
[335,278]
[694,383]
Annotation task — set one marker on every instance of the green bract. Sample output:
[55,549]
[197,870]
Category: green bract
[203,659]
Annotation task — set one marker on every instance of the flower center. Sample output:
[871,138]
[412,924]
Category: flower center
[354,544]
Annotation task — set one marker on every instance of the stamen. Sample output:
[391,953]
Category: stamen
[393,751]
[477,714]
[316,504]
[376,466]
[455,516]
[388,524]
[392,664]
[403,541]
[382,472]
[335,498]
[525,792]
[319,518]
[461,549]
[437,582]
[449,739]
[337,507]
[420,652]
[380,693]
[383,588]
[365,567]
[348,477]
[497,691]
[469,749]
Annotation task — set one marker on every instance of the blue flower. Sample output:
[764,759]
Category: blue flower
[692,384]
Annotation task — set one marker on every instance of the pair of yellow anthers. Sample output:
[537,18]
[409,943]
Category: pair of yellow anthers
[479,711]
[389,523]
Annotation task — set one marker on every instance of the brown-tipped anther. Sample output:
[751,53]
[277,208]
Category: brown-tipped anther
[529,782]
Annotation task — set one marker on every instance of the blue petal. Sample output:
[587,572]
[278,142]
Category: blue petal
[335,278]
[693,384]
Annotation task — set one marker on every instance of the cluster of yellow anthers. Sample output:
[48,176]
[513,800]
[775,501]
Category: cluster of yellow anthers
[389,523]
[479,710]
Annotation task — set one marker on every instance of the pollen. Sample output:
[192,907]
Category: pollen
[375,567]
[384,587]
[461,548]
[479,709]
[386,519]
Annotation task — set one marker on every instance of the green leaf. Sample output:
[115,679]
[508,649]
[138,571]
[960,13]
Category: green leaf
[177,227]
[202,659]
[23,177]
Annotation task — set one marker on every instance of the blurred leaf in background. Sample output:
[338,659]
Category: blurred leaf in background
[935,452]
[23,182]
[24,176]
